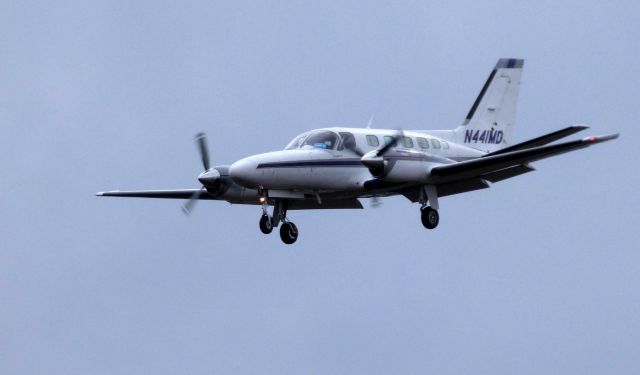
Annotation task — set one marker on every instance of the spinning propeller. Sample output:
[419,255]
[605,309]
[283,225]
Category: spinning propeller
[207,178]
[374,160]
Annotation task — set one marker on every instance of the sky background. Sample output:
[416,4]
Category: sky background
[537,275]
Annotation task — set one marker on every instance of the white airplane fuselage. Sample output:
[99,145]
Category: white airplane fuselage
[320,168]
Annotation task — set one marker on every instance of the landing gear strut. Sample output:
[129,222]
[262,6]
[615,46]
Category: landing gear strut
[288,230]
[430,217]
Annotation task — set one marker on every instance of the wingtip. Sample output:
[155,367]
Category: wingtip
[612,136]
[601,138]
[105,193]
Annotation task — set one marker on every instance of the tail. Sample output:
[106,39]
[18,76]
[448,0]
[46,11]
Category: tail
[490,121]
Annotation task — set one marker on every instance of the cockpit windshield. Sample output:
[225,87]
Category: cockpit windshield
[323,139]
[297,142]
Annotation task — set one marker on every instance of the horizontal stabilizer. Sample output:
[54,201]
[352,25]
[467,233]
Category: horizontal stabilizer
[542,140]
[488,164]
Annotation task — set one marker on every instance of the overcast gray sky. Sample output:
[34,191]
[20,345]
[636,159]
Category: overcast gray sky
[537,275]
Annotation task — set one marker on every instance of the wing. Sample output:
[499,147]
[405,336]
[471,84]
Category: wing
[509,164]
[293,204]
[166,194]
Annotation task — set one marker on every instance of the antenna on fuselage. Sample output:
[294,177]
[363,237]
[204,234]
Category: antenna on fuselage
[370,122]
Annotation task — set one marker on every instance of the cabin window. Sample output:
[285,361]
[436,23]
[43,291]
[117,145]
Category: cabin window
[435,143]
[348,141]
[406,142]
[423,143]
[388,139]
[373,141]
[322,139]
[445,145]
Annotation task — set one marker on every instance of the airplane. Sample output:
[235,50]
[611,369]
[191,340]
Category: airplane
[332,168]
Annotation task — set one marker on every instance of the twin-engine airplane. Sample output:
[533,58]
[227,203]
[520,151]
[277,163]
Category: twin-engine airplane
[333,167]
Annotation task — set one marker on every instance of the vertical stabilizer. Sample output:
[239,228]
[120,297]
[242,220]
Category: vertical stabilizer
[489,123]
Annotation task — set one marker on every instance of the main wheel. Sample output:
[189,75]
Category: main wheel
[288,232]
[430,217]
[266,224]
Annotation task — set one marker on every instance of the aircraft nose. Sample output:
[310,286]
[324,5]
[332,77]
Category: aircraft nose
[244,172]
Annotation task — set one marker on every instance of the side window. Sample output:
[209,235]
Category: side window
[423,143]
[435,143]
[388,139]
[406,142]
[348,141]
[445,145]
[373,141]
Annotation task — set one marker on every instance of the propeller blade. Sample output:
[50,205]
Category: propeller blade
[375,201]
[187,208]
[375,161]
[201,140]
[349,142]
[394,141]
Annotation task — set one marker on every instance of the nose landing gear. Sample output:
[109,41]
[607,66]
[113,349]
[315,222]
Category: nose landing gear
[288,230]
[266,224]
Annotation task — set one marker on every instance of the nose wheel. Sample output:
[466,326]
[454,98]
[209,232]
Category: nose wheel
[288,232]
[266,224]
[430,217]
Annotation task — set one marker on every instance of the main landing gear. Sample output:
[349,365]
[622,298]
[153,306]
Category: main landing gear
[430,217]
[429,214]
[288,230]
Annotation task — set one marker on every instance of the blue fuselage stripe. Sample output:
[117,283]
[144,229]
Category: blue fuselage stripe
[346,162]
[312,163]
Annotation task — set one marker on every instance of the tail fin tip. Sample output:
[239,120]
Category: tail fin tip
[509,63]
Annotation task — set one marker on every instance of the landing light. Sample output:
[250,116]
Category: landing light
[261,199]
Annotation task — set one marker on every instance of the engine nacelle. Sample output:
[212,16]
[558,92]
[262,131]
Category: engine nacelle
[220,185]
[398,165]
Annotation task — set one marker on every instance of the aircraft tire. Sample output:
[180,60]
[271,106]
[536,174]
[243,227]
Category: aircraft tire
[430,217]
[288,233]
[266,224]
